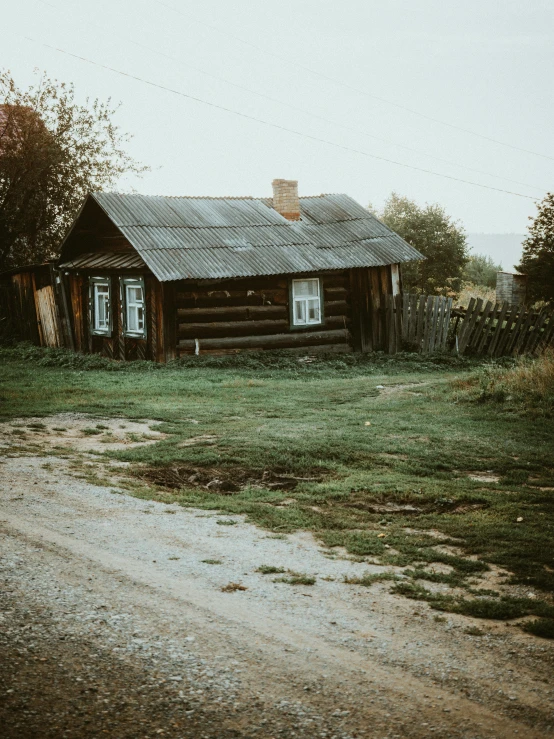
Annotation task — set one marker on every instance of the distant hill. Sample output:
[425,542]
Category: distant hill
[505,249]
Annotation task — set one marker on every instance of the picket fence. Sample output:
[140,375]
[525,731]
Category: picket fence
[428,323]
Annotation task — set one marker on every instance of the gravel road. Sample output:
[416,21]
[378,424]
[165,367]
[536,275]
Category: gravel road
[114,623]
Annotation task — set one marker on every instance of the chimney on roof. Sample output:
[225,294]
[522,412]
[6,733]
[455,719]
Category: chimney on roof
[285,199]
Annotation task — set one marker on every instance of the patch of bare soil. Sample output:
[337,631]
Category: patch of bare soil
[81,432]
[226,480]
[483,476]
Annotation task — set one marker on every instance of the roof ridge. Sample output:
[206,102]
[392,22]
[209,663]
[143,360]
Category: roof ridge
[213,197]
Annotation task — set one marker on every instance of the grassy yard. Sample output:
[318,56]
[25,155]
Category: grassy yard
[374,455]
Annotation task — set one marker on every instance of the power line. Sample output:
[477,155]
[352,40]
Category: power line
[320,117]
[307,112]
[274,125]
[340,83]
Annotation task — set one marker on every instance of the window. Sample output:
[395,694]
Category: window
[306,302]
[100,306]
[134,308]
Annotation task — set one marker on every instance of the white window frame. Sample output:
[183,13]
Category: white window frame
[126,284]
[295,299]
[96,329]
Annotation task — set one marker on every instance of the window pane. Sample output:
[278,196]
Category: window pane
[305,288]
[313,311]
[140,318]
[300,311]
[101,306]
[101,315]
[132,322]
[134,294]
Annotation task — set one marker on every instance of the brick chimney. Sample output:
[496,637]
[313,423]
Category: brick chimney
[285,199]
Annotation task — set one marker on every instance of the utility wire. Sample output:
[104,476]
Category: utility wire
[357,90]
[273,125]
[307,112]
[315,115]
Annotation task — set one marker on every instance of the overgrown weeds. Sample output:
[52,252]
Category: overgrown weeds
[527,386]
[271,361]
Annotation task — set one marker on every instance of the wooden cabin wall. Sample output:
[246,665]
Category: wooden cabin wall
[117,346]
[368,290]
[23,313]
[253,313]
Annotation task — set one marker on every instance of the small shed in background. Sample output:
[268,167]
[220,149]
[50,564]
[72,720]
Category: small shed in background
[511,287]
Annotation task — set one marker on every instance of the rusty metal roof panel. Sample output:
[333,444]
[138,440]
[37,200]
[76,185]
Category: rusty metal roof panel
[207,238]
[105,260]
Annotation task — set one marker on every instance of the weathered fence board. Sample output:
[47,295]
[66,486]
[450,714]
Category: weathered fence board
[420,323]
[504,329]
[428,323]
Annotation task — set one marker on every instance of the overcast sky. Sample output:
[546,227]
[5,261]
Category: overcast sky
[482,65]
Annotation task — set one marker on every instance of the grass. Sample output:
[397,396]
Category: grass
[212,561]
[270,570]
[529,385]
[291,450]
[543,627]
[369,578]
[502,609]
[296,578]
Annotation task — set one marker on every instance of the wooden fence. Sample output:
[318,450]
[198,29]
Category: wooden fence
[418,323]
[427,323]
[502,329]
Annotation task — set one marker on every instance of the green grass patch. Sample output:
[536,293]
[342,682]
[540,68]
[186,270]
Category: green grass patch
[296,578]
[543,627]
[270,569]
[432,479]
[369,578]
[502,609]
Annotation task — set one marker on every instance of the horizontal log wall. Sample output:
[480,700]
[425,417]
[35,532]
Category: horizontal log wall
[254,313]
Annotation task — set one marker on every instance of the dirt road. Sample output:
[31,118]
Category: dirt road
[114,623]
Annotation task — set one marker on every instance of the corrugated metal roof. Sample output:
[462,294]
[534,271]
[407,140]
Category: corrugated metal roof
[105,260]
[203,238]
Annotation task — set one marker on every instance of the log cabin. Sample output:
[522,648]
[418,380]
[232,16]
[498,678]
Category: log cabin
[151,277]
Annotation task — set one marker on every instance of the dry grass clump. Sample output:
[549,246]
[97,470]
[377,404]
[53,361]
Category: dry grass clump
[470,290]
[530,383]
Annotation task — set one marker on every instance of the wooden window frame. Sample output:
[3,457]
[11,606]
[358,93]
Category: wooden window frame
[95,282]
[124,283]
[293,300]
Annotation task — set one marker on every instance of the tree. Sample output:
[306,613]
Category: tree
[53,151]
[537,261]
[481,270]
[440,239]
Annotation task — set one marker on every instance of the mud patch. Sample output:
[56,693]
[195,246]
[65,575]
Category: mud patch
[225,480]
